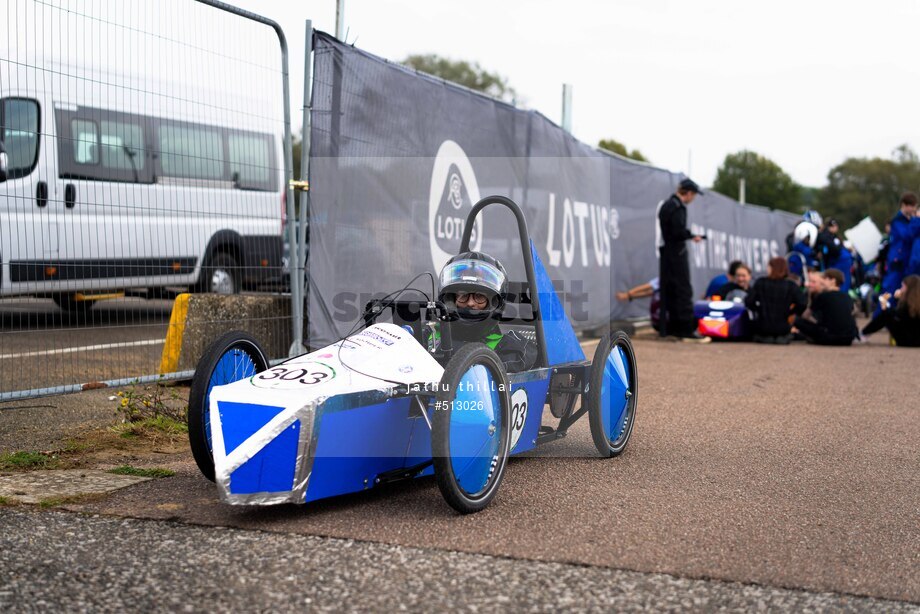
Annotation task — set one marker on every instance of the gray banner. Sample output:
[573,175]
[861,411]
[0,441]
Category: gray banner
[398,158]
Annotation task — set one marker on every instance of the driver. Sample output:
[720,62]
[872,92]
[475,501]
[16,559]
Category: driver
[472,286]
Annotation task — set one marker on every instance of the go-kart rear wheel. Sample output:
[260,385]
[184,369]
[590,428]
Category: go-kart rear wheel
[232,357]
[612,394]
[470,433]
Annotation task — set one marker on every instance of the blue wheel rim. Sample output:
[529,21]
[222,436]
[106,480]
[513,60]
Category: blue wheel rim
[616,391]
[235,364]
[475,430]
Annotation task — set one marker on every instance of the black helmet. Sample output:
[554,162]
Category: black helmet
[473,272]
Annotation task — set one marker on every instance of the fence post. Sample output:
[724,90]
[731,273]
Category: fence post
[567,107]
[297,346]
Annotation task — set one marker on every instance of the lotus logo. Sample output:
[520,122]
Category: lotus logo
[456,193]
[453,192]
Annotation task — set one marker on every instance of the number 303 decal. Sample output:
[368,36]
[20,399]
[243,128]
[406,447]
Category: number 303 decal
[308,374]
[518,415]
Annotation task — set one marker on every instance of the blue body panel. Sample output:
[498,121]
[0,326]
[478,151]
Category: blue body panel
[561,343]
[241,420]
[354,445]
[272,469]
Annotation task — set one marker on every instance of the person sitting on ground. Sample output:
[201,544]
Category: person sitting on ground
[773,301]
[720,280]
[472,286]
[832,311]
[653,289]
[903,321]
[737,288]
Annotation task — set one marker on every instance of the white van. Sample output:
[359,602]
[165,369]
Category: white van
[97,197]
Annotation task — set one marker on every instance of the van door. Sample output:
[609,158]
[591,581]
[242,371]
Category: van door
[104,177]
[28,234]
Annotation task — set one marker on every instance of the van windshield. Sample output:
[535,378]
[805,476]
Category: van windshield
[19,131]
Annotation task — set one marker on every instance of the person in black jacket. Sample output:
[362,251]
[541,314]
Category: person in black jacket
[676,291]
[903,321]
[832,311]
[773,301]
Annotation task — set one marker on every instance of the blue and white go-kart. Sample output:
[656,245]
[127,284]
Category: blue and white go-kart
[383,404]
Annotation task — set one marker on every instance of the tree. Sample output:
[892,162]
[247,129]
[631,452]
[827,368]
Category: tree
[468,75]
[858,187]
[619,148]
[765,182]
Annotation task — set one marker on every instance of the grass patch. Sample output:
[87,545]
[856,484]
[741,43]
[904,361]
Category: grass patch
[6,501]
[27,460]
[151,426]
[143,473]
[73,446]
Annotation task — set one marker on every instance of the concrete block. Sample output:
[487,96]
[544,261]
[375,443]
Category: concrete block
[199,319]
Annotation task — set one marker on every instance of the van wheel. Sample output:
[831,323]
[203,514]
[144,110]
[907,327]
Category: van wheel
[220,275]
[70,305]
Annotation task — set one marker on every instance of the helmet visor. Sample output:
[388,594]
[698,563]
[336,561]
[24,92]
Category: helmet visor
[476,275]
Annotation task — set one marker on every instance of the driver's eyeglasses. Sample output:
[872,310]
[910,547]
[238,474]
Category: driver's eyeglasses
[472,297]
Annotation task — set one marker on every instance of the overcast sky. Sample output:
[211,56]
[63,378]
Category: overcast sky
[805,83]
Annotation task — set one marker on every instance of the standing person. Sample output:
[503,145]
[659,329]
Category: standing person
[676,290]
[913,262]
[832,311]
[774,300]
[899,244]
[882,259]
[834,253]
[903,321]
[801,254]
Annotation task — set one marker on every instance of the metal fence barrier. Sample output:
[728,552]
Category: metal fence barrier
[146,154]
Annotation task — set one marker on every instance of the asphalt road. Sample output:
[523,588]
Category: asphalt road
[41,347]
[788,467]
[53,561]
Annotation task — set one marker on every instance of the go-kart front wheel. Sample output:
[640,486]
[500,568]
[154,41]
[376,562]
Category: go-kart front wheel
[232,357]
[612,394]
[470,433]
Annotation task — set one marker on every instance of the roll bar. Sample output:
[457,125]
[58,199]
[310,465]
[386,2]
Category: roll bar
[528,259]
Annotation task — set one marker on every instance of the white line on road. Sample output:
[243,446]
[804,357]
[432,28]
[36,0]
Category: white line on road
[85,348]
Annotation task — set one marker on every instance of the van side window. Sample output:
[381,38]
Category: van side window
[101,146]
[250,156]
[122,146]
[85,141]
[19,131]
[194,152]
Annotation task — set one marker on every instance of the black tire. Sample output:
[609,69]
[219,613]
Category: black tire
[69,304]
[220,274]
[458,498]
[606,446]
[198,398]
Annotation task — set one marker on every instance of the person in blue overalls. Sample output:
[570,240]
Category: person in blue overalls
[900,244]
[913,263]
[834,253]
[803,240]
